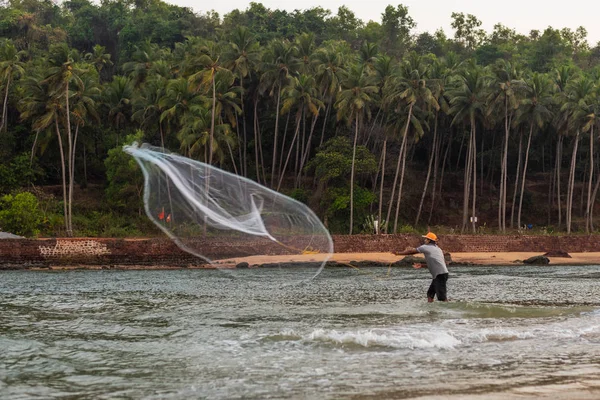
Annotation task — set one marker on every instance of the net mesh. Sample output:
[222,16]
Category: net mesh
[216,215]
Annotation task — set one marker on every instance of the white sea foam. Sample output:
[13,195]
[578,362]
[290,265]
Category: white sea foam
[385,338]
[498,335]
[450,335]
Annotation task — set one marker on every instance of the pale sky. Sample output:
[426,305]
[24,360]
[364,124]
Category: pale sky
[521,15]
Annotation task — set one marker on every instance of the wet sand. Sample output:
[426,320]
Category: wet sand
[576,390]
[489,258]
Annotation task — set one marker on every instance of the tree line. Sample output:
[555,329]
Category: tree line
[332,111]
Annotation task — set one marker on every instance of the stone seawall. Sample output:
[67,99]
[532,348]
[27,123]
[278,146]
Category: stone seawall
[19,253]
[469,243]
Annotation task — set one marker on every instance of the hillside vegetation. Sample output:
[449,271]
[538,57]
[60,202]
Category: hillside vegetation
[368,123]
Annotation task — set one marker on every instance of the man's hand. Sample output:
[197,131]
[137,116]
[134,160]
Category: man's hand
[417,265]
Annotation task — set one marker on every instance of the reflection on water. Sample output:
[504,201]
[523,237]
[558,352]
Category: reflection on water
[201,334]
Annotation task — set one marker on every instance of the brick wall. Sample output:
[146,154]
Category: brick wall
[469,243]
[163,251]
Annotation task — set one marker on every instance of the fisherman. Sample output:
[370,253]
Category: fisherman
[434,256]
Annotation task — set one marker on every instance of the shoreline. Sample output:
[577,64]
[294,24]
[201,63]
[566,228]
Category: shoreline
[164,253]
[458,258]
[364,260]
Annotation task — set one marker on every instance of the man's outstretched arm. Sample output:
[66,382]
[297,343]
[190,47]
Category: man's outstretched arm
[408,252]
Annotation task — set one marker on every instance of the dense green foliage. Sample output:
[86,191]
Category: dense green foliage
[368,123]
[20,214]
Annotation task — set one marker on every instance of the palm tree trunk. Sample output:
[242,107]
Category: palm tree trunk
[373,127]
[243,158]
[402,146]
[212,120]
[467,182]
[301,144]
[306,152]
[69,155]
[382,181]
[474,176]
[260,152]
[558,168]
[524,174]
[431,157]
[594,194]
[356,120]
[462,145]
[325,123]
[3,124]
[275,136]
[256,140]
[64,175]
[282,174]
[84,165]
[396,215]
[239,143]
[514,201]
[571,183]
[436,168]
[590,179]
[72,176]
[37,133]
[232,158]
[285,131]
[503,172]
[445,162]
[434,195]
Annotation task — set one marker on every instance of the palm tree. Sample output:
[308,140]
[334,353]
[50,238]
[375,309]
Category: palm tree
[141,62]
[438,77]
[442,74]
[329,70]
[590,122]
[180,104]
[33,104]
[209,61]
[242,57]
[574,113]
[86,92]
[117,98]
[367,55]
[408,89]
[227,108]
[506,82]
[537,98]
[305,45]
[468,103]
[147,109]
[353,105]
[384,69]
[278,66]
[562,78]
[98,58]
[61,72]
[11,67]
[303,94]
[44,111]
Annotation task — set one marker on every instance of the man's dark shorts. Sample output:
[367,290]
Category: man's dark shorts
[438,287]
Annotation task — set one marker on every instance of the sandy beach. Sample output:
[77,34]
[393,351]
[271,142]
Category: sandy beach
[489,258]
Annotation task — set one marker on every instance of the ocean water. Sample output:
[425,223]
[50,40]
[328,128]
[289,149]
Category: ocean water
[349,334]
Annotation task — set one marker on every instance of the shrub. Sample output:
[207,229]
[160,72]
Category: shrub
[20,214]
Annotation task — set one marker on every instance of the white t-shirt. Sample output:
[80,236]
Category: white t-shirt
[435,259]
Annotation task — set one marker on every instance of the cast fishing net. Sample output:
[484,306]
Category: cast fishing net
[216,215]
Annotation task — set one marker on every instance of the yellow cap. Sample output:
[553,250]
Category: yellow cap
[431,236]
